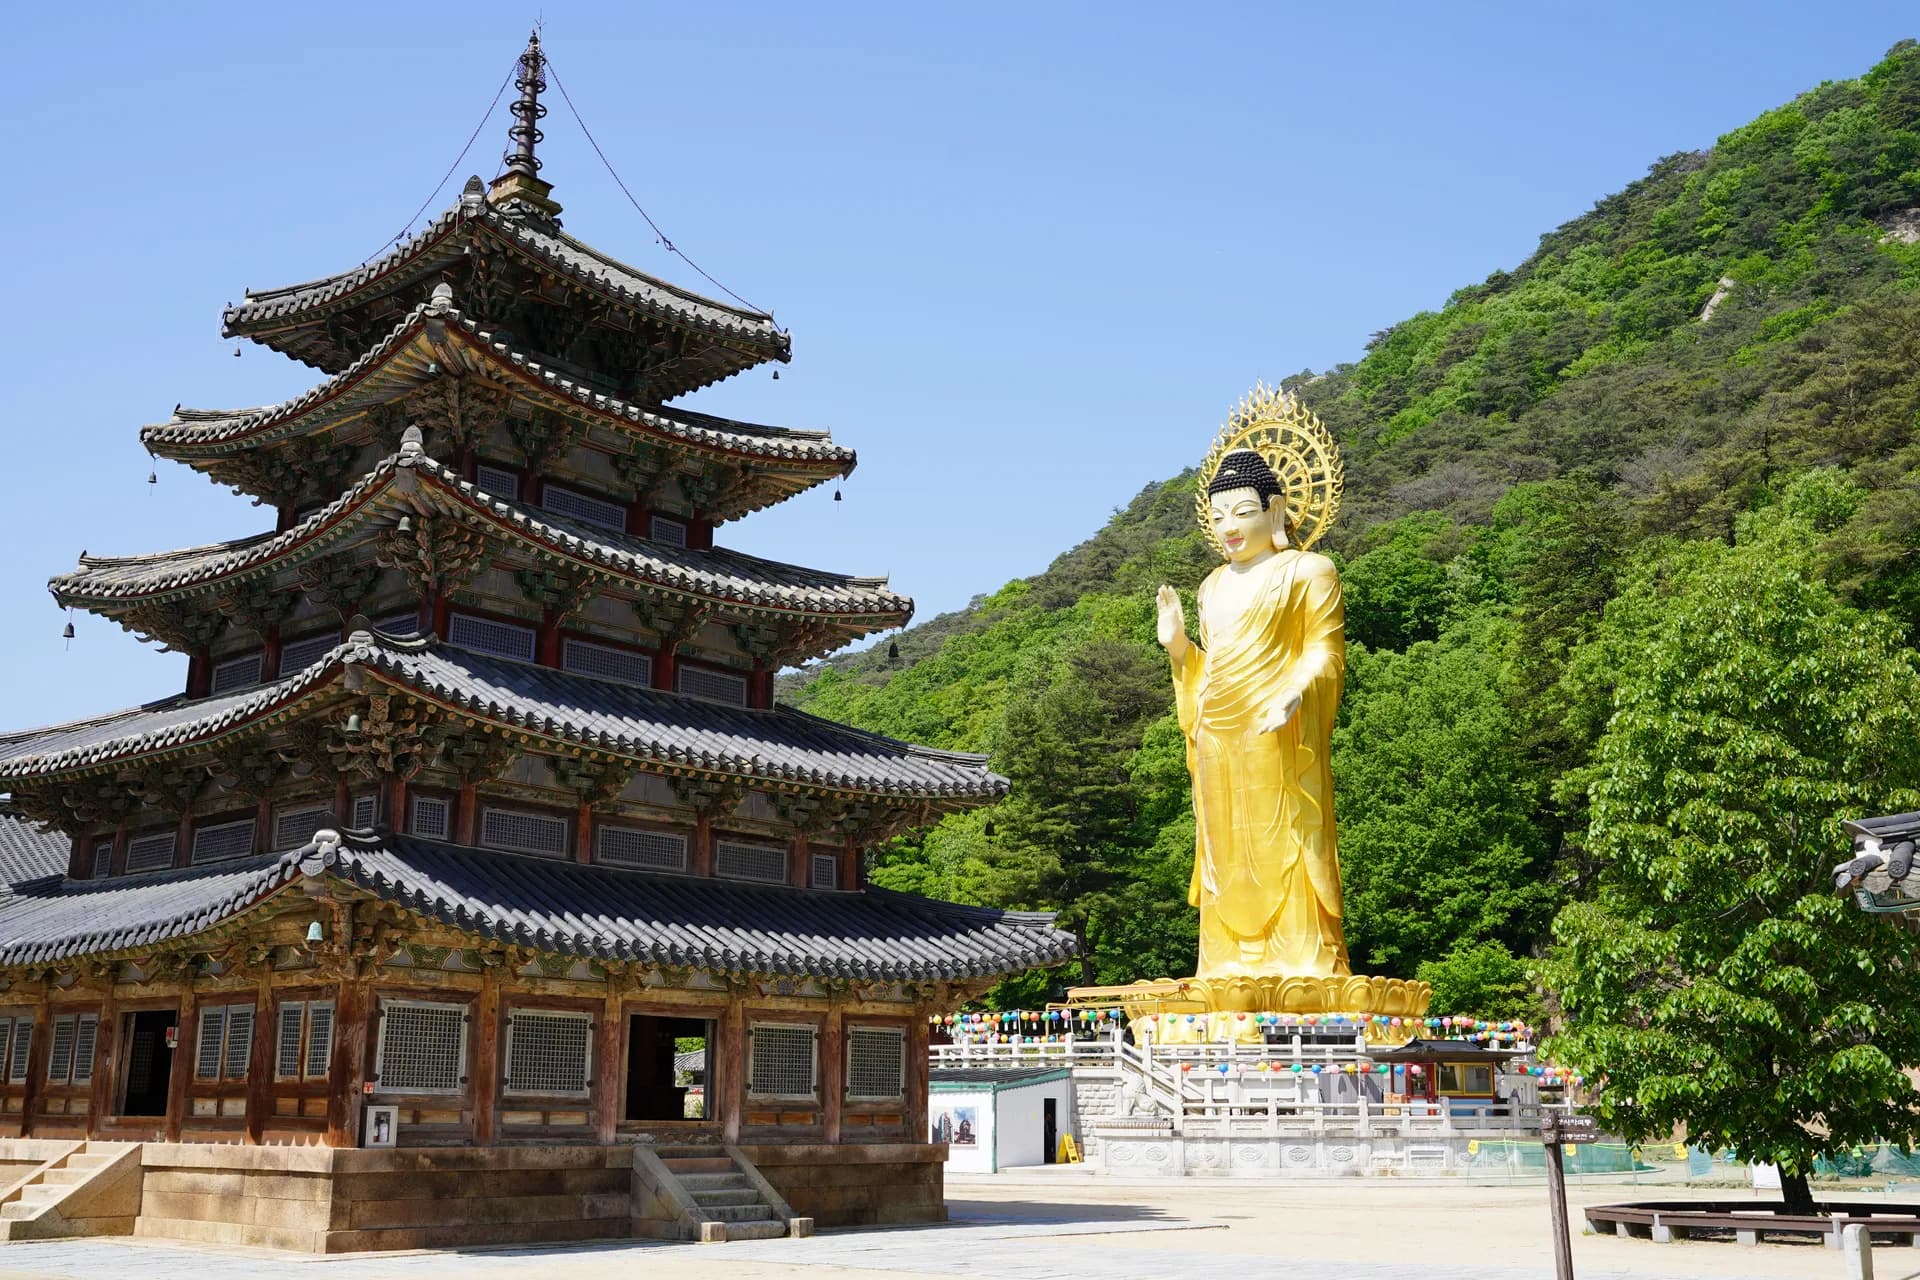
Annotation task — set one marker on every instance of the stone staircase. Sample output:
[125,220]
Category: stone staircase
[712,1193]
[94,1189]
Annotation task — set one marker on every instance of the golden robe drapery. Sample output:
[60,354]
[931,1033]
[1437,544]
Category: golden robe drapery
[1266,875]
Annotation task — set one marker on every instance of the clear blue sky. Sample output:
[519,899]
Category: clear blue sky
[1030,254]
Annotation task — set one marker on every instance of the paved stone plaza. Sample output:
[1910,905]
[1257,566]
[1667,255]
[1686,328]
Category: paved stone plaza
[1035,1227]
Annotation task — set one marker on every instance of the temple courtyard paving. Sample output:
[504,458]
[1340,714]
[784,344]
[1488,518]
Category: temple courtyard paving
[1039,1227]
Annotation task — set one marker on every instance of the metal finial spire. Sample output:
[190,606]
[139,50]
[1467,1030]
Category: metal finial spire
[519,189]
[525,134]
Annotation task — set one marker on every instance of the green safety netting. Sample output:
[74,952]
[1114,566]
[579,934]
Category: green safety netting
[1594,1157]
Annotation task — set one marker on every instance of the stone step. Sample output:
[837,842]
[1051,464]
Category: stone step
[14,1209]
[65,1177]
[679,1150]
[756,1230]
[731,1214]
[682,1165]
[91,1159]
[719,1199]
[698,1182]
[43,1192]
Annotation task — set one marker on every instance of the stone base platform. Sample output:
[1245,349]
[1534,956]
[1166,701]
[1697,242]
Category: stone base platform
[1264,993]
[341,1200]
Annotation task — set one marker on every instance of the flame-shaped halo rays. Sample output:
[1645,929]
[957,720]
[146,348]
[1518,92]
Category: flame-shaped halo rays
[1275,425]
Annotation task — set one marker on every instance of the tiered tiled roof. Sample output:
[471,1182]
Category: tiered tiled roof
[780,747]
[435,340]
[592,912]
[293,319]
[408,483]
[29,850]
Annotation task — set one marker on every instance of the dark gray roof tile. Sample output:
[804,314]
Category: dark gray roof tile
[563,908]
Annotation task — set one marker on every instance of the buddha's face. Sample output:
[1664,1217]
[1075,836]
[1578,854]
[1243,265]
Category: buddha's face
[1246,529]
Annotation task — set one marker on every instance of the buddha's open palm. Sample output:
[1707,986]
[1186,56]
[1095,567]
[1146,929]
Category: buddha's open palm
[1173,618]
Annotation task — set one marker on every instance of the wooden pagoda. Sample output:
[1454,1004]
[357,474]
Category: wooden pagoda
[476,807]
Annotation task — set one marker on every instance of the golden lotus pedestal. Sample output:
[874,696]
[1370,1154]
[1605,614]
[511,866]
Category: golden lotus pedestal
[1201,1010]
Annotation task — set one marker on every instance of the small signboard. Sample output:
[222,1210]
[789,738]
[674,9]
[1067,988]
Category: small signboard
[1568,1128]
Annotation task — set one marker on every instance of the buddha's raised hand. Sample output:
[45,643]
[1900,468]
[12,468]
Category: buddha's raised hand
[1173,620]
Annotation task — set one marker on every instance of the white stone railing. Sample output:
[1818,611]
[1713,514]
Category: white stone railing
[1265,1089]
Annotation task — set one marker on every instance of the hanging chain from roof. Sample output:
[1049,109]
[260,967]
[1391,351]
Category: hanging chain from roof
[441,185]
[659,235]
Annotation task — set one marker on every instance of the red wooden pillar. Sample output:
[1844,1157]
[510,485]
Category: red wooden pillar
[583,832]
[36,1067]
[101,1096]
[606,1076]
[639,519]
[199,673]
[917,1066]
[263,825]
[703,845]
[439,612]
[184,1031]
[266,1035]
[833,1071]
[799,862]
[850,866]
[183,840]
[466,818]
[343,803]
[547,650]
[270,654]
[353,1009]
[397,804]
[663,668]
[486,1056]
[732,1090]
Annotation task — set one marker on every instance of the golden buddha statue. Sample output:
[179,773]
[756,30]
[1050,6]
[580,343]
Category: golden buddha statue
[1256,699]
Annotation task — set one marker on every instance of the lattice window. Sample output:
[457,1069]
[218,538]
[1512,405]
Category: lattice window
[607,663]
[86,1033]
[738,860]
[223,840]
[548,1052]
[783,1060]
[521,832]
[150,852]
[296,656]
[102,859]
[423,1048]
[366,811]
[60,1054]
[586,509]
[502,639]
[824,872]
[497,481]
[432,817]
[236,673]
[294,827]
[226,1042]
[640,848]
[22,1045]
[6,1044]
[670,531]
[303,1046]
[714,686]
[876,1063]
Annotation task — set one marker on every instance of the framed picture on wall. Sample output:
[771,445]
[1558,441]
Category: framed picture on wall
[383,1126]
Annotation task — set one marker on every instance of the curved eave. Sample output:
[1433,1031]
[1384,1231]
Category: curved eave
[689,741]
[112,586]
[437,336]
[271,315]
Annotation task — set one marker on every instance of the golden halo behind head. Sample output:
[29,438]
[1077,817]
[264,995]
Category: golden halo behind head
[1275,425]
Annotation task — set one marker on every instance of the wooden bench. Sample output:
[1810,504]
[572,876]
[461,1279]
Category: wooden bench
[1749,1222]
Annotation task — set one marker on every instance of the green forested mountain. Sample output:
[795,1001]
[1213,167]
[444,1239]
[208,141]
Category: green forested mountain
[1719,362]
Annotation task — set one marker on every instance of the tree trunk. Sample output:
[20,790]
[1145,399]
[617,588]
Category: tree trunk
[1796,1196]
[1086,957]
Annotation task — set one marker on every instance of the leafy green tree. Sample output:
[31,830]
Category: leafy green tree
[1716,980]
[1436,801]
[1480,980]
[1070,829]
